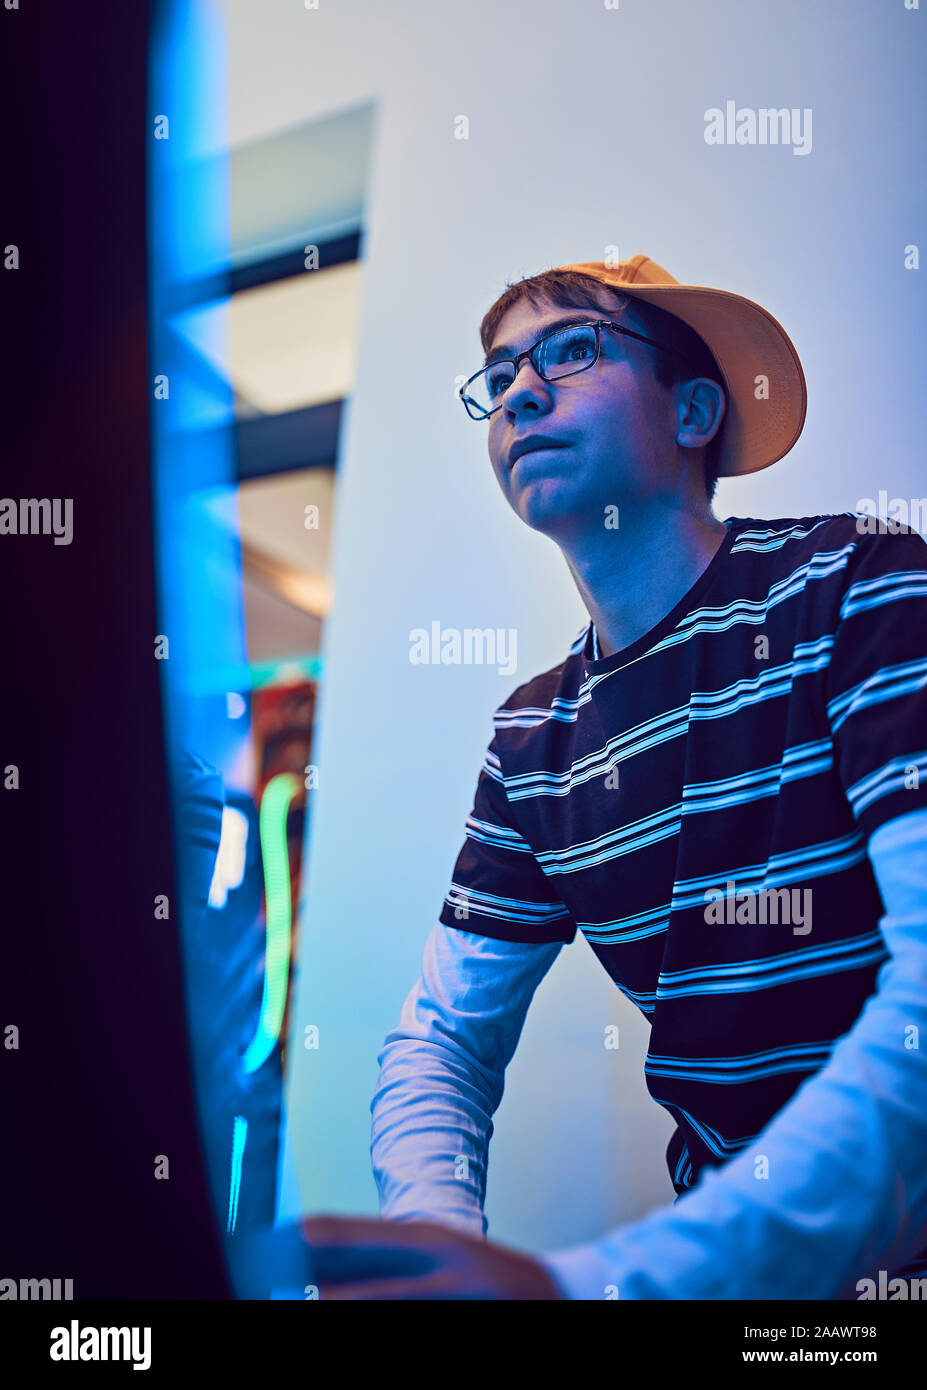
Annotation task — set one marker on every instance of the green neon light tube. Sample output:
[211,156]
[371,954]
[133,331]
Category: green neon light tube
[275,804]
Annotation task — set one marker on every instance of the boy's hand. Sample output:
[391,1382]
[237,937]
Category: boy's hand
[367,1257]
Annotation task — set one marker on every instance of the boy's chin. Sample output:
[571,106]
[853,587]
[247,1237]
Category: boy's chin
[556,510]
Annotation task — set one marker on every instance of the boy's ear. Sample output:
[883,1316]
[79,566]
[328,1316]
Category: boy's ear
[701,409]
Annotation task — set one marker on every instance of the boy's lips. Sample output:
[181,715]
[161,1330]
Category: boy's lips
[530,443]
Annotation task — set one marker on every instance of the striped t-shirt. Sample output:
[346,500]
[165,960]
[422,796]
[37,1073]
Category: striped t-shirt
[699,803]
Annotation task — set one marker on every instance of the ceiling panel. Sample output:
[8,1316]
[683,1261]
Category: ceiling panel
[286,345]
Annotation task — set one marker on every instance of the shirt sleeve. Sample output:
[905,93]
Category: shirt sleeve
[834,1189]
[442,1075]
[875,689]
[498,888]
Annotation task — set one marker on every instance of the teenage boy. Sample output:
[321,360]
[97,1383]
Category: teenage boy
[723,786]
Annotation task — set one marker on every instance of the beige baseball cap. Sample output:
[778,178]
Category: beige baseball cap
[766,392]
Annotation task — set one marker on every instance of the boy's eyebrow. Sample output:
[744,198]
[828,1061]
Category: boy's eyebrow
[504,350]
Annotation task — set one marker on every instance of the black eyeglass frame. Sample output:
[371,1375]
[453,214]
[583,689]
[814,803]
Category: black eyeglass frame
[597,324]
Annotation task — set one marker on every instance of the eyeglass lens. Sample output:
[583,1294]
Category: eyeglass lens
[569,350]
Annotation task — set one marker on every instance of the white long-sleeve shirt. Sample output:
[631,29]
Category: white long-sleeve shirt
[846,1157]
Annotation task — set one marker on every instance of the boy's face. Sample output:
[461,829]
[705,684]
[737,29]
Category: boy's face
[617,422]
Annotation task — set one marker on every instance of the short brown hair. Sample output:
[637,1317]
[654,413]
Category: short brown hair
[574,289]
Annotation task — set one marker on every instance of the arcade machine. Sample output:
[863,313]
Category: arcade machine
[239,741]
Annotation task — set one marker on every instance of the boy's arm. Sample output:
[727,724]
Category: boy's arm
[442,1074]
[846,1191]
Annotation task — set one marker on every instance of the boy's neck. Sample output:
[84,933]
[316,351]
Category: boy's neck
[633,576]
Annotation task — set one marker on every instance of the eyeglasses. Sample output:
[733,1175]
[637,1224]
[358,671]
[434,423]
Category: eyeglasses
[564,352]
